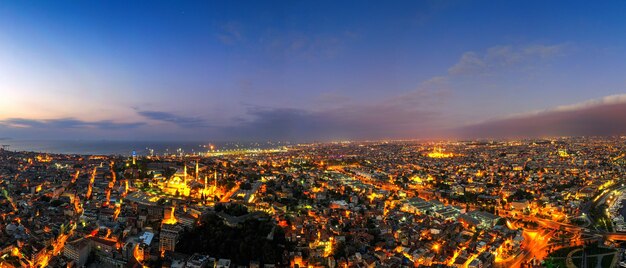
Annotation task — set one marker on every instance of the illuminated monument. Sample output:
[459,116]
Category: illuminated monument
[438,153]
[177,185]
[209,191]
[181,185]
[197,170]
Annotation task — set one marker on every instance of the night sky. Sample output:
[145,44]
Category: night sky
[311,70]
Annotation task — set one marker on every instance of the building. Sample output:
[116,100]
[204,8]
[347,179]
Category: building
[186,220]
[146,238]
[223,263]
[197,261]
[78,251]
[169,237]
[177,185]
[105,246]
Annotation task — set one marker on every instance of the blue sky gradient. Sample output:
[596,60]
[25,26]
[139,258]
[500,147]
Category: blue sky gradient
[302,70]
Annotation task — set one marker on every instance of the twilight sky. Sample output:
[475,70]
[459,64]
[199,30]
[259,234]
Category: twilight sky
[311,70]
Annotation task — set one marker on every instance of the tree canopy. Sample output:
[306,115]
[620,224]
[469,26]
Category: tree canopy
[240,244]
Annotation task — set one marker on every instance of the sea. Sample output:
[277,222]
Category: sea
[126,148]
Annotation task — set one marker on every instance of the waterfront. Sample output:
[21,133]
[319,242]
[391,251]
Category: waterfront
[125,148]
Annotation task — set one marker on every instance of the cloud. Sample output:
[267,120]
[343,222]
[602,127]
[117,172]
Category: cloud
[413,114]
[182,121]
[502,56]
[408,117]
[608,100]
[332,98]
[428,94]
[308,46]
[65,123]
[470,62]
[600,117]
[429,10]
[230,33]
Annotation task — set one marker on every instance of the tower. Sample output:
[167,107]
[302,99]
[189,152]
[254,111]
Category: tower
[196,170]
[185,173]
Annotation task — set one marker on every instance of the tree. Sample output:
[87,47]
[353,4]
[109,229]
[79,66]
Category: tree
[340,250]
[244,243]
[246,186]
[56,203]
[219,207]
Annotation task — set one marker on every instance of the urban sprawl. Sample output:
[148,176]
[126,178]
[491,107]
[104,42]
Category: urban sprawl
[526,203]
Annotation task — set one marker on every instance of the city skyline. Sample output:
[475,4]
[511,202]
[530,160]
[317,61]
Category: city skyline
[295,133]
[308,71]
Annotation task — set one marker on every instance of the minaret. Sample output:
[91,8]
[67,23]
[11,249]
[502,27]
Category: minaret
[196,170]
[215,178]
[205,182]
[185,174]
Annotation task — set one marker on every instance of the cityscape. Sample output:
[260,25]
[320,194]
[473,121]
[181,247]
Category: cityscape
[312,134]
[552,202]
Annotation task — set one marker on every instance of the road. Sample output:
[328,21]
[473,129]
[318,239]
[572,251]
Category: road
[232,191]
[536,242]
[533,247]
[58,245]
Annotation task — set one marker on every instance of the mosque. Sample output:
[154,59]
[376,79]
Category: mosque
[178,184]
[181,183]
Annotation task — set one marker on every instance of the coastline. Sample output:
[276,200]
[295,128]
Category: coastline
[126,148]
